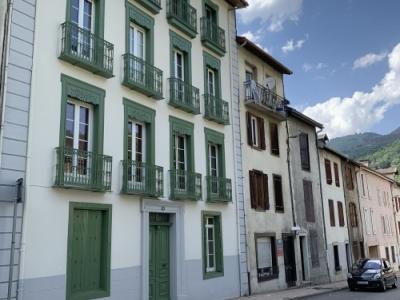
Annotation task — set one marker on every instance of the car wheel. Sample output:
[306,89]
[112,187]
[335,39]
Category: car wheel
[394,286]
[352,288]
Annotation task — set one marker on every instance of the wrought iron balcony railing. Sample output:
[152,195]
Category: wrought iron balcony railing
[142,76]
[182,15]
[185,185]
[83,170]
[216,109]
[264,97]
[87,50]
[153,5]
[212,36]
[184,96]
[140,178]
[219,189]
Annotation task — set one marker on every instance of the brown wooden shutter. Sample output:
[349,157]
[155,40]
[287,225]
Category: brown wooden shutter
[265,198]
[340,212]
[309,201]
[261,130]
[353,215]
[304,152]
[328,171]
[274,138]
[278,193]
[249,133]
[331,212]
[336,172]
[253,189]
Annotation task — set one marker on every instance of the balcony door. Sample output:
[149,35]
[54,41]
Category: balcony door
[82,17]
[179,65]
[214,171]
[136,154]
[180,161]
[211,86]
[137,47]
[78,139]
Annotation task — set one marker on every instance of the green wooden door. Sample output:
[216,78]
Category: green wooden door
[86,250]
[159,268]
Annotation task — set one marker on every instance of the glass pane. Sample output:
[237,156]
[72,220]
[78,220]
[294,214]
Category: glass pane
[211,247]
[69,143]
[210,221]
[83,145]
[69,129]
[264,255]
[84,115]
[75,11]
[87,15]
[211,261]
[83,132]
[210,233]
[70,111]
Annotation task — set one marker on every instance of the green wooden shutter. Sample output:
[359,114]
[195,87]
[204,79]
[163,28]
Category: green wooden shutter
[218,244]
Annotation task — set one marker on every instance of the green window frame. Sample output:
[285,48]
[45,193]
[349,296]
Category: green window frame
[219,255]
[144,114]
[87,93]
[145,21]
[214,64]
[153,6]
[178,126]
[99,16]
[215,137]
[179,43]
[105,252]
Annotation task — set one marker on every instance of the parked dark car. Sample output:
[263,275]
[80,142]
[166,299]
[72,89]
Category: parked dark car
[372,273]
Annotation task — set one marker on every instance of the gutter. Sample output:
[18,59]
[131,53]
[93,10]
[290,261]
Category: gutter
[322,202]
[4,62]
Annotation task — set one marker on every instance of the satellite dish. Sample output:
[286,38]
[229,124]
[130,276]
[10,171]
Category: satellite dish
[270,82]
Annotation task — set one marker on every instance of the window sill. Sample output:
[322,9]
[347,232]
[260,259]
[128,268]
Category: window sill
[281,211]
[269,278]
[211,275]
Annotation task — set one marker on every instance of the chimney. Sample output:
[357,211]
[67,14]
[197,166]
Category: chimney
[364,162]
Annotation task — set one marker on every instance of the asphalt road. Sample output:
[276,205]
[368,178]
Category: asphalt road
[390,294]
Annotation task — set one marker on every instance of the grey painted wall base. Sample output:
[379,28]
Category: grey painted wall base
[126,284]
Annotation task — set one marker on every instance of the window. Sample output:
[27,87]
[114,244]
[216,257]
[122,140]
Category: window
[136,151]
[363,185]
[180,160]
[89,251]
[212,75]
[308,201]
[304,152]
[78,136]
[279,206]
[340,213]
[328,172]
[393,254]
[349,178]
[331,212]
[383,219]
[211,86]
[255,131]
[387,254]
[259,190]
[353,215]
[212,245]
[249,76]
[372,222]
[367,224]
[274,138]
[336,172]
[314,248]
[82,15]
[267,267]
[336,258]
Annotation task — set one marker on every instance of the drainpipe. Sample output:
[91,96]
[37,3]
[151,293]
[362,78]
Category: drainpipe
[323,209]
[360,233]
[4,62]
[290,173]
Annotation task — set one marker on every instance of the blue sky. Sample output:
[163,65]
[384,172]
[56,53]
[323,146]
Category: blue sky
[335,49]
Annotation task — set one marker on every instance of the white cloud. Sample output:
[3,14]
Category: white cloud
[292,45]
[368,59]
[320,66]
[271,13]
[362,110]
[307,67]
[255,38]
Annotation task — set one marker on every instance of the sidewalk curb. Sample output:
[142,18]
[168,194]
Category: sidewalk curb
[318,294]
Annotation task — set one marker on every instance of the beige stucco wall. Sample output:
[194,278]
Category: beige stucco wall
[375,187]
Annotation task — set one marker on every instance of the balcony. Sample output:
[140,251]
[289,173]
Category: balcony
[142,76]
[216,109]
[82,48]
[83,170]
[184,96]
[219,189]
[264,99]
[183,16]
[152,5]
[140,178]
[212,36]
[185,185]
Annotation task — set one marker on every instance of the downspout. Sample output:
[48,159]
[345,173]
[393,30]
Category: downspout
[290,173]
[4,62]
[323,209]
[360,233]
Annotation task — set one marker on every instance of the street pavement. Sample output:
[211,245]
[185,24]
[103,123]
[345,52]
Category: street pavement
[346,294]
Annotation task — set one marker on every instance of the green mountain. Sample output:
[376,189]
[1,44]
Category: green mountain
[358,146]
[385,157]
